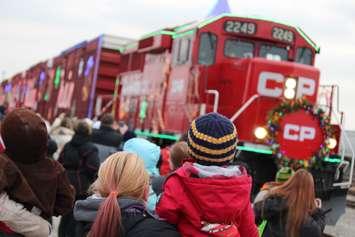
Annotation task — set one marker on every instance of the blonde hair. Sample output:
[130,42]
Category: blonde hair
[121,175]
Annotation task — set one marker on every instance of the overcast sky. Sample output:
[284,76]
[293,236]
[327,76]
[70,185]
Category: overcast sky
[34,30]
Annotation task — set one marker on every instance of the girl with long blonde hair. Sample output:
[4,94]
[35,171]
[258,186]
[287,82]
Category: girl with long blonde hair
[292,209]
[118,207]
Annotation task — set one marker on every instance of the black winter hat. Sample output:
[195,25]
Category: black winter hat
[212,139]
[25,136]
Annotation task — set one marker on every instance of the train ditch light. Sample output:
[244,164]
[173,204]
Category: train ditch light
[260,132]
[331,143]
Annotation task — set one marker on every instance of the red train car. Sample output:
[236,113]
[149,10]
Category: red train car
[259,73]
[79,81]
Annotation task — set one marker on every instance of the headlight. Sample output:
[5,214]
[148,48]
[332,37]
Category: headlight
[331,143]
[289,93]
[290,83]
[260,132]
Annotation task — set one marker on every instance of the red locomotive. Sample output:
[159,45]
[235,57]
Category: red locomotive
[257,72]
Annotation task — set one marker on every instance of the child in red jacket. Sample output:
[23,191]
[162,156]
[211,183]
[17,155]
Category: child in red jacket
[209,197]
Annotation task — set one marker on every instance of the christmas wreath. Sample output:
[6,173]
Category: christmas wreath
[273,125]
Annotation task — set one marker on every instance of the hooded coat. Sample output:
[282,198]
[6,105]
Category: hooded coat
[219,195]
[136,221]
[150,154]
[274,209]
[25,138]
[80,159]
[107,136]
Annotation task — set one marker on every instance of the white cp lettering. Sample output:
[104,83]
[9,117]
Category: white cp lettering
[295,132]
[305,86]
[264,77]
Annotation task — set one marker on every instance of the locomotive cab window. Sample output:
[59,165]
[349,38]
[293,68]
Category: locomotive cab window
[182,50]
[207,49]
[304,56]
[273,53]
[238,49]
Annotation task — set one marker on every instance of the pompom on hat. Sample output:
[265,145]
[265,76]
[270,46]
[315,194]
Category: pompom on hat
[25,136]
[212,139]
[284,174]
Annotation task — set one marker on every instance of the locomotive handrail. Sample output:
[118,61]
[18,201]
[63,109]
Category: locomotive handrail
[337,95]
[348,183]
[245,105]
[216,99]
[337,110]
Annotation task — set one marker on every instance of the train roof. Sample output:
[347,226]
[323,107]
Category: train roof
[190,28]
[108,42]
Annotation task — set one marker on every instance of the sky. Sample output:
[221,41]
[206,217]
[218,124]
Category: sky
[35,30]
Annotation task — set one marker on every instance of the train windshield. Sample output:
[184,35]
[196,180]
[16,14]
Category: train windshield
[304,56]
[207,50]
[273,53]
[238,49]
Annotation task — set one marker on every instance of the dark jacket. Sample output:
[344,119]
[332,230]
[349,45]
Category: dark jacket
[80,159]
[128,135]
[136,222]
[157,184]
[105,151]
[106,136]
[275,210]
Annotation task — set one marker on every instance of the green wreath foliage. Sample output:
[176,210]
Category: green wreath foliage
[273,126]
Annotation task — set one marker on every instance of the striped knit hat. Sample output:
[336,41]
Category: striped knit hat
[212,139]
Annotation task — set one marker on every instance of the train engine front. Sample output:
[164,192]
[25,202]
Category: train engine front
[261,75]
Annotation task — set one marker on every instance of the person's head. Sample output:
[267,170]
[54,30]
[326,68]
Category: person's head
[299,194]
[146,150]
[212,139]
[122,127]
[120,175]
[283,174]
[25,136]
[178,153]
[82,128]
[67,123]
[107,120]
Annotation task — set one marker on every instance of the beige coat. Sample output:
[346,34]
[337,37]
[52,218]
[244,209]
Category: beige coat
[21,221]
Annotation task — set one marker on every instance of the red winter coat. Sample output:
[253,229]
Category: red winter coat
[165,156]
[186,201]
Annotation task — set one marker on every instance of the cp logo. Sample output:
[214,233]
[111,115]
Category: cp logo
[305,86]
[295,132]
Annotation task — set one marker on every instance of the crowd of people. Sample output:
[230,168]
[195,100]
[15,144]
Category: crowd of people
[105,182]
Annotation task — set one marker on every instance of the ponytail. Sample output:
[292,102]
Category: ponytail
[108,219]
